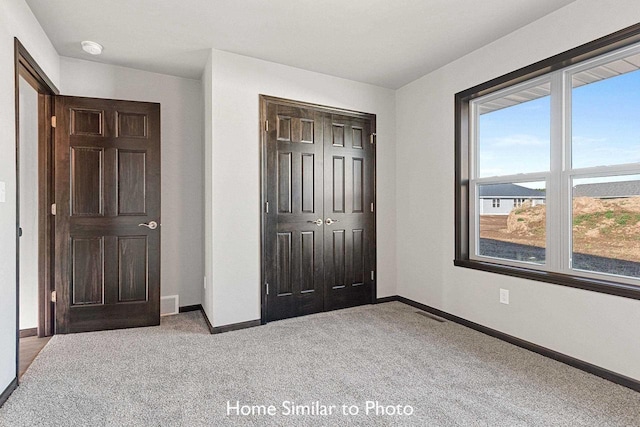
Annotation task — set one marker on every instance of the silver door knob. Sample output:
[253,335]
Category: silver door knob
[152,225]
[330,221]
[317,222]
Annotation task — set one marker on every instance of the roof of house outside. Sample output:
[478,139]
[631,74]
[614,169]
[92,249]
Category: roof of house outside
[509,191]
[608,190]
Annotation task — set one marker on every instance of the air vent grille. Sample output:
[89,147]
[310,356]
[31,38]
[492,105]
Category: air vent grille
[431,316]
[169,305]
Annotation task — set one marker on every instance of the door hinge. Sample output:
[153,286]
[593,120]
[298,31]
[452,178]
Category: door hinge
[54,121]
[54,296]
[373,275]
[372,206]
[266,125]
[54,209]
[266,207]
[372,138]
[266,286]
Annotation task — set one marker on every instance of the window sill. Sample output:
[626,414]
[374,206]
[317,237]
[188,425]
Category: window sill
[594,285]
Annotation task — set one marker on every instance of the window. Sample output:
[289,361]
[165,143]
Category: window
[561,139]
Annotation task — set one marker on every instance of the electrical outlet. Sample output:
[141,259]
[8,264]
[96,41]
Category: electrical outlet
[504,296]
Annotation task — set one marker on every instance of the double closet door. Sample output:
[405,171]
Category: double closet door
[319,221]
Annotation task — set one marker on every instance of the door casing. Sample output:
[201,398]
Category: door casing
[264,101]
[27,68]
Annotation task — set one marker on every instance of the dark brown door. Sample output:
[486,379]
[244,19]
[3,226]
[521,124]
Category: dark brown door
[319,242]
[349,249]
[294,223]
[107,192]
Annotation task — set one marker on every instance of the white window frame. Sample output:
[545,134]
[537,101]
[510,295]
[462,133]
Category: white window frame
[558,178]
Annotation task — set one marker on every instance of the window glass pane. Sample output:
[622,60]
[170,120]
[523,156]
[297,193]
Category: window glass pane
[606,114]
[512,221]
[606,225]
[514,133]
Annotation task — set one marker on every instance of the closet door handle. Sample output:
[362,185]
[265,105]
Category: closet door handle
[330,221]
[152,225]
[317,222]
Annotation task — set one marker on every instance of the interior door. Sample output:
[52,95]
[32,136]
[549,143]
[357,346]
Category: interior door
[319,228]
[349,245]
[107,193]
[294,221]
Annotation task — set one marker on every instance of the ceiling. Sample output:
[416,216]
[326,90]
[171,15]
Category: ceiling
[387,43]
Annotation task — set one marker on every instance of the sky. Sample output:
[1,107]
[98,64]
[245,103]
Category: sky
[605,129]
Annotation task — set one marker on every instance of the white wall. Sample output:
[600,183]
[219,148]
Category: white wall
[182,192]
[234,295]
[28,206]
[597,328]
[207,95]
[16,20]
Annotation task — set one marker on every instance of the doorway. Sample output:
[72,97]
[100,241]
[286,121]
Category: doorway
[318,220]
[33,336]
[87,209]
[28,220]
[34,94]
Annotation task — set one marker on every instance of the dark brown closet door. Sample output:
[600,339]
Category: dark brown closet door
[107,192]
[349,245]
[294,223]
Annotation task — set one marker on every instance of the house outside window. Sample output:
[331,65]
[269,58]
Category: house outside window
[561,144]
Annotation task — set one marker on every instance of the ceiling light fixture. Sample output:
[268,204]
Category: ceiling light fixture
[92,47]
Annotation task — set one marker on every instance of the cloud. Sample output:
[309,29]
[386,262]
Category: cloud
[577,139]
[521,140]
[487,172]
[605,156]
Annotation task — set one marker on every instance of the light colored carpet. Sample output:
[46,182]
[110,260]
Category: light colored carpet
[177,374]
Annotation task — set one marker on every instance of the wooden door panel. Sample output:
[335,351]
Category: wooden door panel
[348,258]
[132,125]
[358,137]
[293,250]
[284,265]
[87,171]
[283,127]
[337,134]
[357,257]
[132,268]
[87,122]
[307,176]
[131,182]
[357,183]
[307,261]
[349,193]
[87,264]
[338,187]
[107,182]
[338,259]
[285,182]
